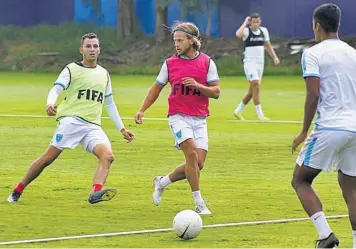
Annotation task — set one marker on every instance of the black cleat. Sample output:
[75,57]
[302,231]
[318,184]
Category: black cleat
[330,242]
[14,197]
[102,195]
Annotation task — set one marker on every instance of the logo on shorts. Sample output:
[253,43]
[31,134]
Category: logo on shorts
[59,137]
[179,134]
[251,76]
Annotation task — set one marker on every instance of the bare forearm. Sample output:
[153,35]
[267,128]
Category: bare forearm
[271,52]
[210,91]
[240,31]
[150,98]
[311,103]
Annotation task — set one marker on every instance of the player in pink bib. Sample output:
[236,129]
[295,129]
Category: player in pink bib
[194,79]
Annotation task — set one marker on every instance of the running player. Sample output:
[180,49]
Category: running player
[255,38]
[194,79]
[87,86]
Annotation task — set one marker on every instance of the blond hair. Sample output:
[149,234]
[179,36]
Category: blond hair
[191,30]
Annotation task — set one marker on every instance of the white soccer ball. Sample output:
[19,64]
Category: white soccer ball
[187,224]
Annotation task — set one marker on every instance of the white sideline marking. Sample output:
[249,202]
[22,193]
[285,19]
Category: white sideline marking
[164,230]
[44,116]
[160,119]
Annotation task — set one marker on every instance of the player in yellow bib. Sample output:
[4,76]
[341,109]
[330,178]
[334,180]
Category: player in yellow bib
[88,87]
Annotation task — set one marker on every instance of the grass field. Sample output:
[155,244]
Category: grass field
[246,178]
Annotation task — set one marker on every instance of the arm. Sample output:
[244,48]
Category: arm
[271,52]
[311,101]
[60,84]
[151,96]
[311,73]
[153,93]
[114,113]
[212,90]
[240,32]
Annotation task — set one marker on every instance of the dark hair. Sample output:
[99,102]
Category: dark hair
[89,36]
[328,16]
[255,15]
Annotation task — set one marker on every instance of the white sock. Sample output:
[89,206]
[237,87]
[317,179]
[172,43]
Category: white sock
[321,224]
[165,181]
[354,234]
[259,111]
[197,197]
[239,108]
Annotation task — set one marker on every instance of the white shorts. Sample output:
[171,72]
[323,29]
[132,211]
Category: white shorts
[327,149]
[71,131]
[185,127]
[253,71]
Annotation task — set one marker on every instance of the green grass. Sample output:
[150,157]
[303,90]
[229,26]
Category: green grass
[246,178]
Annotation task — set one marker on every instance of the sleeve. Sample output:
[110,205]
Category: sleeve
[246,33]
[162,77]
[266,34]
[64,78]
[53,94]
[310,65]
[108,91]
[113,112]
[213,75]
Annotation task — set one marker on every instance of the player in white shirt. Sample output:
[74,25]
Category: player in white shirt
[329,69]
[255,38]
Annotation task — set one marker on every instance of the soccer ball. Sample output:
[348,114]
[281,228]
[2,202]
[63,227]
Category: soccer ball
[187,224]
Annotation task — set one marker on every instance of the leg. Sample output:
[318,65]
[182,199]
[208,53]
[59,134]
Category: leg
[106,158]
[98,143]
[303,177]
[179,172]
[35,170]
[348,187]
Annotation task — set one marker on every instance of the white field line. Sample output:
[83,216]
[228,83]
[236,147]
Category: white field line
[159,119]
[163,230]
[44,116]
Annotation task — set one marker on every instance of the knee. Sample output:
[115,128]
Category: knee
[255,84]
[201,164]
[296,182]
[108,156]
[192,156]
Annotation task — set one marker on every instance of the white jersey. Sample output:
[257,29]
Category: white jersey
[255,54]
[334,62]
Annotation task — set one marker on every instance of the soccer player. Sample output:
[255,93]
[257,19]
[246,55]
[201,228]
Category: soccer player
[255,38]
[330,76]
[194,79]
[87,86]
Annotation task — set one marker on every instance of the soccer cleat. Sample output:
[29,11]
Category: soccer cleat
[263,118]
[238,116]
[102,195]
[14,197]
[157,190]
[201,208]
[330,242]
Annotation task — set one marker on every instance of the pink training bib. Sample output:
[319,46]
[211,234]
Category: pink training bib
[184,99]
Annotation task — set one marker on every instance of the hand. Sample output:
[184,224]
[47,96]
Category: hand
[190,82]
[298,140]
[51,110]
[128,135]
[138,117]
[276,61]
[247,20]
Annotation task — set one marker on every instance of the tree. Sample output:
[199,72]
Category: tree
[161,19]
[206,7]
[126,24]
